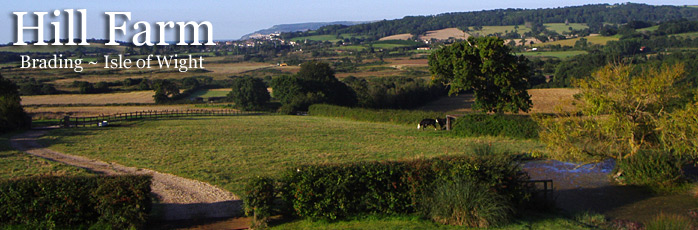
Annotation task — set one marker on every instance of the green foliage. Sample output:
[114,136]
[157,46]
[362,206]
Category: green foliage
[116,201]
[503,125]
[165,91]
[334,191]
[381,115]
[668,221]
[656,169]
[249,93]
[485,65]
[314,83]
[464,202]
[620,109]
[259,198]
[678,131]
[394,92]
[12,114]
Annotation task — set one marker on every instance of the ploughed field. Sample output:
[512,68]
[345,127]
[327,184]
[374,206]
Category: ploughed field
[228,151]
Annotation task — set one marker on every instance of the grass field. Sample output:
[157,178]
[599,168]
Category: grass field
[207,93]
[228,151]
[691,35]
[58,112]
[487,30]
[554,54]
[649,29]
[532,221]
[141,97]
[15,164]
[602,40]
[561,27]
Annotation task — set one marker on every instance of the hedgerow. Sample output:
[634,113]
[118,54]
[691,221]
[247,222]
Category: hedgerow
[504,125]
[50,201]
[335,191]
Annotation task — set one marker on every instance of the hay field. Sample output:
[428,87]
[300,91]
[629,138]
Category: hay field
[544,101]
[58,112]
[140,97]
[396,37]
[593,39]
[444,34]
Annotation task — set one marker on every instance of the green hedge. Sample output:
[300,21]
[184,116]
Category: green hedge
[516,126]
[411,117]
[48,202]
[335,191]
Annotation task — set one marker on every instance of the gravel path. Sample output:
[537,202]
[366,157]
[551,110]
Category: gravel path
[178,198]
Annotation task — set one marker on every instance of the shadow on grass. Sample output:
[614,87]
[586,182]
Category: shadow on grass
[219,215]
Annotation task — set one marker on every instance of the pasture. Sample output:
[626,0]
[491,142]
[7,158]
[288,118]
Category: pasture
[16,164]
[208,93]
[595,39]
[561,27]
[553,54]
[58,112]
[488,30]
[228,151]
[136,97]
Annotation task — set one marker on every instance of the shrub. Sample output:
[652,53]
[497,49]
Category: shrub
[332,191]
[466,202]
[249,93]
[12,114]
[395,116]
[516,126]
[115,201]
[259,198]
[657,169]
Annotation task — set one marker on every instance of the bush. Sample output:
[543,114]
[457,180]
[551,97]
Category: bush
[12,114]
[249,93]
[44,202]
[411,117]
[515,126]
[334,191]
[657,169]
[465,202]
[259,198]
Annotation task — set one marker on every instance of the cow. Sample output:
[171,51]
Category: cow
[427,122]
[441,122]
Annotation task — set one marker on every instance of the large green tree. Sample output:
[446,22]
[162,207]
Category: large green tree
[12,115]
[249,93]
[314,83]
[485,65]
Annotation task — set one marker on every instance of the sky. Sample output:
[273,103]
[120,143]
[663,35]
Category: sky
[232,19]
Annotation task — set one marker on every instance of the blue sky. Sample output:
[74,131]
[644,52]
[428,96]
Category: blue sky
[232,19]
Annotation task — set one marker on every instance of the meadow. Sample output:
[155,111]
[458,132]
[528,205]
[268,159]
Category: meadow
[135,97]
[553,54]
[228,151]
[16,164]
[598,39]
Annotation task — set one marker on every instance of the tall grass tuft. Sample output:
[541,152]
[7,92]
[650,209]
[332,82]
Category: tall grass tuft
[466,203]
[667,221]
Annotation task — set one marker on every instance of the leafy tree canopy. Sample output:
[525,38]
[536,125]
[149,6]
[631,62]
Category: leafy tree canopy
[249,93]
[498,79]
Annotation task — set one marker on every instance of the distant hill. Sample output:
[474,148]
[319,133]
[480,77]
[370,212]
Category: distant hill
[592,15]
[283,28]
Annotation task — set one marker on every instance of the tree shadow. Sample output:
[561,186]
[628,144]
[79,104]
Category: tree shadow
[218,215]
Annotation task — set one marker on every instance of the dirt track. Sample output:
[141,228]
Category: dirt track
[178,198]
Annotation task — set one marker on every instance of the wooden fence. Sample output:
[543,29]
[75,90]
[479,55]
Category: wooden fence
[130,116]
